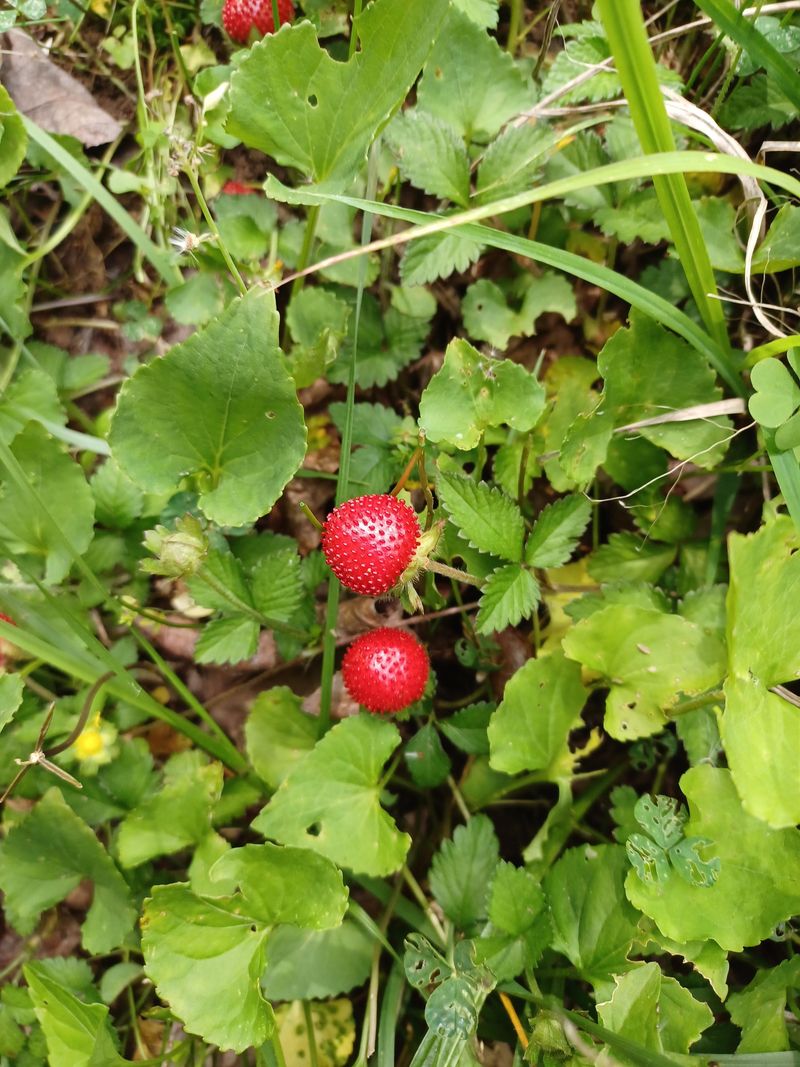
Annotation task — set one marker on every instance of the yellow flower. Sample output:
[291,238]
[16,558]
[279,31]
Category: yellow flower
[96,746]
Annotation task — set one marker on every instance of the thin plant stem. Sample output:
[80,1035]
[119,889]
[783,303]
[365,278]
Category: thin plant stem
[424,903]
[514,23]
[519,1029]
[312,218]
[401,483]
[313,1058]
[357,5]
[453,572]
[212,225]
[276,16]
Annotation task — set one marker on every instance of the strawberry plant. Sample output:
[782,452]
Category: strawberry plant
[399,525]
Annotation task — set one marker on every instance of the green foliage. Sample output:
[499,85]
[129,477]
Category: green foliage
[760,1008]
[509,595]
[278,734]
[495,313]
[462,870]
[666,844]
[484,516]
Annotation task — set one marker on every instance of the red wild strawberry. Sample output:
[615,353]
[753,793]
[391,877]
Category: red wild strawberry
[369,541]
[239,17]
[234,188]
[385,670]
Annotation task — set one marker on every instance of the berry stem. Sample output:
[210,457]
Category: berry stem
[453,572]
[308,244]
[309,514]
[276,16]
[406,473]
[423,481]
[201,200]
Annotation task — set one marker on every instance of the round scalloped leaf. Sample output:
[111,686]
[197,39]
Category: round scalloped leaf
[221,409]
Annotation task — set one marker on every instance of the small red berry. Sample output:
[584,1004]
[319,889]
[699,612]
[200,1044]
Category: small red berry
[239,17]
[385,670]
[234,188]
[369,541]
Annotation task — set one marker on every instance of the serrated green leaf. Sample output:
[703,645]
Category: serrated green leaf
[462,871]
[653,659]
[756,104]
[61,486]
[77,1034]
[626,557]
[516,899]
[513,161]
[177,816]
[293,101]
[485,516]
[594,925]
[277,586]
[477,105]
[278,734]
[220,941]
[637,216]
[758,866]
[231,639]
[482,12]
[654,1011]
[46,856]
[472,392]
[759,1009]
[437,256]
[431,155]
[32,395]
[11,690]
[117,501]
[541,705]
[495,313]
[207,408]
[559,527]
[509,595]
[330,801]
[388,340]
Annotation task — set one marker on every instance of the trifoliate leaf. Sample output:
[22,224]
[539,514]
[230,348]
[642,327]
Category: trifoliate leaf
[495,313]
[431,155]
[594,926]
[293,101]
[330,801]
[208,407]
[759,874]
[509,595]
[541,705]
[485,516]
[221,940]
[462,871]
[652,660]
[46,856]
[559,527]
[472,392]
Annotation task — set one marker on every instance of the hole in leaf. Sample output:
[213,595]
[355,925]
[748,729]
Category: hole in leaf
[312,100]
[314,829]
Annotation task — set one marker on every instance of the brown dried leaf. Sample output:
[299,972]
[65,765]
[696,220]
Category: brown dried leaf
[52,97]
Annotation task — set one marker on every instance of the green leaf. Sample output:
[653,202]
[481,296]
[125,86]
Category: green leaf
[277,585]
[488,315]
[117,501]
[177,816]
[760,1008]
[330,801]
[482,12]
[516,899]
[758,866]
[652,660]
[593,922]
[61,486]
[231,639]
[11,690]
[291,100]
[559,527]
[77,1034]
[208,407]
[466,728]
[541,705]
[637,216]
[196,301]
[778,250]
[494,90]
[32,395]
[431,155]
[46,856]
[246,224]
[763,628]
[626,557]
[761,735]
[777,394]
[485,516]
[278,734]
[220,578]
[302,964]
[654,1011]
[462,871]
[437,256]
[756,104]
[509,595]
[472,392]
[513,161]
[13,139]
[220,941]
[426,759]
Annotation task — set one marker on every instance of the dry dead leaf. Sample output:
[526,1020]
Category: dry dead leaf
[51,97]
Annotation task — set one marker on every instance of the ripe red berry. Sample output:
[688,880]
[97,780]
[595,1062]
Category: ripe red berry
[369,541]
[234,188]
[239,17]
[385,670]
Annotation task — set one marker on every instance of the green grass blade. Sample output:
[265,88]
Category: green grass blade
[627,37]
[744,33]
[159,257]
